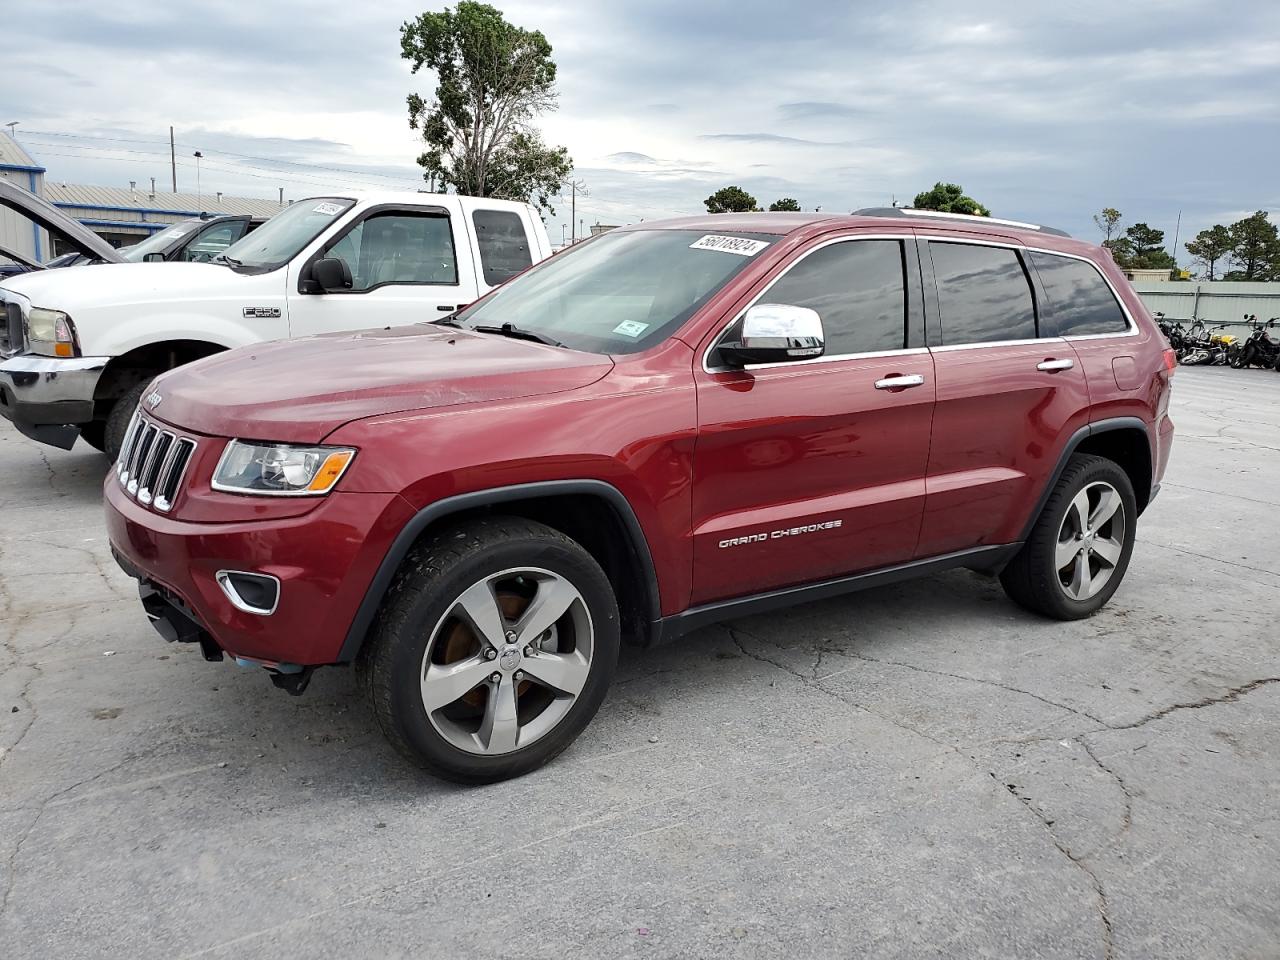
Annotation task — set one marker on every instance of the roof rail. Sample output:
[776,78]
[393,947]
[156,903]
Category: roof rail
[938,214]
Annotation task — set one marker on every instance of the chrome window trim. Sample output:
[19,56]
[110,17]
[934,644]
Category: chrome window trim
[952,347]
[847,238]
[1132,330]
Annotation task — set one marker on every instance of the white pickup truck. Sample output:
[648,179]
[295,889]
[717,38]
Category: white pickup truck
[78,347]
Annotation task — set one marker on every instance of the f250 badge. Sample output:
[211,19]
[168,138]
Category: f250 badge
[268,312]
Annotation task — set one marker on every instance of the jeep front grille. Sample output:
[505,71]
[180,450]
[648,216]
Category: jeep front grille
[152,463]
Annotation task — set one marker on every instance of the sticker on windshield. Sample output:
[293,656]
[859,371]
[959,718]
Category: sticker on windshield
[631,328]
[737,245]
[328,209]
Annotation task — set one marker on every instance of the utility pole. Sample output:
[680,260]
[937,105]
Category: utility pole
[173,161]
[575,187]
[199,156]
[11,124]
[1176,230]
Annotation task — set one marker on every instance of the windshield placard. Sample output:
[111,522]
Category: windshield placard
[740,246]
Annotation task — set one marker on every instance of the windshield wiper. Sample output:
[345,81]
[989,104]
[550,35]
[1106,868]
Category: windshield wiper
[223,258]
[516,333]
[449,321]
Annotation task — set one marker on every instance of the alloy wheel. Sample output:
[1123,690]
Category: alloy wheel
[1090,541]
[507,661]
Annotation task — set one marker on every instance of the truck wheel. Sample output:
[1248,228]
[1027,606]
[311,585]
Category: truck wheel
[493,650]
[95,435]
[118,419]
[1079,549]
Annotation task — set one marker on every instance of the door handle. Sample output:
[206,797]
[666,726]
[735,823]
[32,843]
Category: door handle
[1053,366]
[898,382]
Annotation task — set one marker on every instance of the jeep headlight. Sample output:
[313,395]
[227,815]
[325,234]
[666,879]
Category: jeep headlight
[50,332]
[280,469]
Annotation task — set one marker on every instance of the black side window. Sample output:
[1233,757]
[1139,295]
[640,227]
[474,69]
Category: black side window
[400,248]
[983,294]
[504,248]
[858,288]
[1080,302]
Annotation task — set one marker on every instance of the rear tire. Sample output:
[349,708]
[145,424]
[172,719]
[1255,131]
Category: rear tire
[118,419]
[467,607]
[1089,519]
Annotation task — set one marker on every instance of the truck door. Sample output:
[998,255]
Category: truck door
[408,265]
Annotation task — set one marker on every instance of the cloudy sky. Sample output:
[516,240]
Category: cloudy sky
[1043,111]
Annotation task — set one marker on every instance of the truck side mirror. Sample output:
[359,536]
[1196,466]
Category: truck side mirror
[153,258]
[331,273]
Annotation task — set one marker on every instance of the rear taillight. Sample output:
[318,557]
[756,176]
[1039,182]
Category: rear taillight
[1170,359]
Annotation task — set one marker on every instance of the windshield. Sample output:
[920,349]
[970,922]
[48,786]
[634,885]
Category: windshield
[278,240]
[159,242]
[619,293]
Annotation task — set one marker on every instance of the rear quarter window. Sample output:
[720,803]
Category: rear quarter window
[504,245]
[1080,300]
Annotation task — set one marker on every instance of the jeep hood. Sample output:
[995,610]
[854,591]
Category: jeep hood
[303,390]
[127,284]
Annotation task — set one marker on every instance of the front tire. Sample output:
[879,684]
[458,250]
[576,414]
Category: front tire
[494,649]
[1079,549]
[119,417]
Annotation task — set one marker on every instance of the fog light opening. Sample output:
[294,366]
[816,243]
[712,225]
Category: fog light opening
[256,593]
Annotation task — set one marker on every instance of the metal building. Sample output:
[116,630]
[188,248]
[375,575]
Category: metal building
[120,215]
[16,233]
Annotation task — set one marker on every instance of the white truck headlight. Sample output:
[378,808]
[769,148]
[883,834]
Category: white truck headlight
[51,332]
[280,469]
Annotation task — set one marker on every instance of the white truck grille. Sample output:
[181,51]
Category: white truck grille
[152,463]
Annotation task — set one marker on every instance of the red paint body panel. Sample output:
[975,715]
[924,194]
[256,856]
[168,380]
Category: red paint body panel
[998,428]
[801,445]
[324,561]
[700,457]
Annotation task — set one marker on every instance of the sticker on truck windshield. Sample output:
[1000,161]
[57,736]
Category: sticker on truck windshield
[736,245]
[631,328]
[328,209]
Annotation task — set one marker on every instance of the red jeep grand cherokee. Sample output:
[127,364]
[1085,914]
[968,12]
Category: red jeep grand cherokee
[669,425]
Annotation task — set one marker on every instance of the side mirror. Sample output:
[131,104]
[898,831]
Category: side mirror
[775,333]
[153,258]
[331,273]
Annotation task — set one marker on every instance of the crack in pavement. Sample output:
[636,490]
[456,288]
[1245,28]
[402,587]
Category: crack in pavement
[1127,820]
[1079,862]
[1231,696]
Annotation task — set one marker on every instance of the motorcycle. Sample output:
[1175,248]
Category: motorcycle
[1259,349]
[1203,348]
[1173,331]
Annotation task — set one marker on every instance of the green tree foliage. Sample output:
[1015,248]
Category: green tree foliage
[785,204]
[1108,222]
[949,198]
[1141,248]
[731,200]
[493,78]
[1210,247]
[1255,249]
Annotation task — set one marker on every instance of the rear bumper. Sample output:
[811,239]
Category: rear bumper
[324,561]
[47,397]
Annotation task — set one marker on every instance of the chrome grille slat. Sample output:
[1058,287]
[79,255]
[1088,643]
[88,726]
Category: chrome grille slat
[140,457]
[168,488]
[126,448]
[153,463]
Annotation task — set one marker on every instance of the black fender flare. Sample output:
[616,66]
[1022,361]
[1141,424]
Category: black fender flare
[1077,438]
[441,509]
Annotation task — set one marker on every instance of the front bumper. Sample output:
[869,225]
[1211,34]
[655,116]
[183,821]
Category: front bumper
[48,398]
[324,559]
